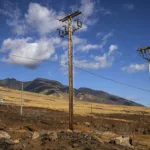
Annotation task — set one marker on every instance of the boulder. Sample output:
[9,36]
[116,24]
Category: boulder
[87,124]
[27,135]
[75,145]
[16,141]
[35,135]
[4,135]
[124,141]
[53,136]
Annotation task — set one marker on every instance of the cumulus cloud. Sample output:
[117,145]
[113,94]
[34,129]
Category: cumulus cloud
[134,68]
[98,62]
[42,49]
[42,19]
[38,18]
[87,7]
[112,48]
[84,46]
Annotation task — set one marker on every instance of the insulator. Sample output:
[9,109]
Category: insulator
[79,24]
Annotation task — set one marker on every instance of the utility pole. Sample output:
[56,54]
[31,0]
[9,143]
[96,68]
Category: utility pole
[21,98]
[69,31]
[145,54]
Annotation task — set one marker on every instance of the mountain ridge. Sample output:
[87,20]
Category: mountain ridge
[47,87]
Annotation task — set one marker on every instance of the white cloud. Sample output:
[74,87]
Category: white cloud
[129,7]
[38,19]
[98,62]
[77,40]
[84,46]
[89,47]
[134,68]
[107,36]
[42,19]
[42,49]
[112,48]
[87,8]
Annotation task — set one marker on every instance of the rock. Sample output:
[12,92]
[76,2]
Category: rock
[24,145]
[75,145]
[124,141]
[96,138]
[29,128]
[35,135]
[27,135]
[16,141]
[77,123]
[87,124]
[53,136]
[4,135]
[49,137]
[145,132]
[70,131]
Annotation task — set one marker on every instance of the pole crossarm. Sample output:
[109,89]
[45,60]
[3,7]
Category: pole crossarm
[76,13]
[145,52]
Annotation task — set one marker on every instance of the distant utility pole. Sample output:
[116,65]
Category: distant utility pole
[21,98]
[145,54]
[69,30]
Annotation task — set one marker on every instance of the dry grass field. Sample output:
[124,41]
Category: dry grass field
[61,103]
[131,121]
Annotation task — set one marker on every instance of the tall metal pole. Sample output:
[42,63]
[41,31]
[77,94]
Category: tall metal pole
[70,56]
[21,98]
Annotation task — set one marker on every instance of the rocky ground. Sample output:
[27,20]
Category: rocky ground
[42,129]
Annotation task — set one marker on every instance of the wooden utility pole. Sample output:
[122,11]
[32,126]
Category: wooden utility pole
[21,98]
[70,31]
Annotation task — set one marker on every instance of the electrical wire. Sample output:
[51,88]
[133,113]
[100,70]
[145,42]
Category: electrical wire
[94,74]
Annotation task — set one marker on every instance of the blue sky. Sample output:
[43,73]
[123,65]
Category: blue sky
[106,45]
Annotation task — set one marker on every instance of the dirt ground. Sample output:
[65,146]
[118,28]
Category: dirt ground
[105,126]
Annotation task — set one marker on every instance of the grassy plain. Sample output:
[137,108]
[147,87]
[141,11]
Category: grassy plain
[60,102]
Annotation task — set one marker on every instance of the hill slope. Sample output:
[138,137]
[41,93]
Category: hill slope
[48,87]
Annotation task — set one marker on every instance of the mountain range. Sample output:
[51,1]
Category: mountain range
[47,87]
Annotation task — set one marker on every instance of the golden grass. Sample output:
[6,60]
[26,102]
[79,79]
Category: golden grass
[61,103]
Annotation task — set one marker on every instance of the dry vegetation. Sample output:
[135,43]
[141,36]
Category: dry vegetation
[122,116]
[53,102]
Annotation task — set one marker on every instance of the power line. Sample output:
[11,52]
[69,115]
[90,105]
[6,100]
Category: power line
[113,80]
[35,59]
[94,74]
